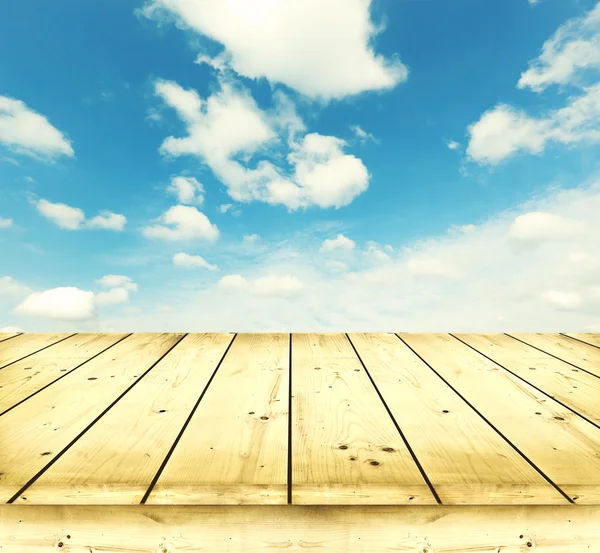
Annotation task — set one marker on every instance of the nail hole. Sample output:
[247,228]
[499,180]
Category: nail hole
[92,378]
[411,498]
[352,458]
[60,544]
[317,368]
[47,453]
[264,418]
[445,411]
[343,447]
[537,413]
[532,368]
[374,463]
[162,411]
[251,413]
[559,418]
[388,449]
[529,544]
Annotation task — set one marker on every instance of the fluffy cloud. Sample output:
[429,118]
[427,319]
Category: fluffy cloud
[5,223]
[65,303]
[182,222]
[504,130]
[186,260]
[118,286]
[27,132]
[187,189]
[269,285]
[538,227]
[291,43]
[117,281]
[340,242]
[574,47]
[228,129]
[453,145]
[10,287]
[73,218]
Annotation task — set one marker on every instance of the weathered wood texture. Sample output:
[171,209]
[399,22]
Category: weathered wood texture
[365,419]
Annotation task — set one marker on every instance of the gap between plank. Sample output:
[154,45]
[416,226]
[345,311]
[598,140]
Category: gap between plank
[185,425]
[531,463]
[551,355]
[11,337]
[37,351]
[582,341]
[62,376]
[289,467]
[527,382]
[65,449]
[412,453]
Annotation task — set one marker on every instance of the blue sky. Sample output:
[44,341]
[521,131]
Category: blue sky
[332,165]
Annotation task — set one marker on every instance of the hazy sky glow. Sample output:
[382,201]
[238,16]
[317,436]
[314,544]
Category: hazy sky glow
[324,165]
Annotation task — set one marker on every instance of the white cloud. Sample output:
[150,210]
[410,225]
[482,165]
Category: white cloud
[11,287]
[574,47]
[224,208]
[117,281]
[73,218]
[5,223]
[426,266]
[338,266]
[230,124]
[107,220]
[65,303]
[361,134]
[268,285]
[562,300]
[114,295]
[461,228]
[251,238]
[11,329]
[182,222]
[376,253]
[186,260]
[28,132]
[340,242]
[453,145]
[187,189]
[504,131]
[291,43]
[538,227]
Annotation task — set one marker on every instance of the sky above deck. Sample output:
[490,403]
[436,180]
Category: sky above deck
[324,165]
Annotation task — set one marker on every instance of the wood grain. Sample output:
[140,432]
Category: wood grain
[8,335]
[341,432]
[565,447]
[23,378]
[116,460]
[577,353]
[295,528]
[234,450]
[36,431]
[26,344]
[588,338]
[466,460]
[573,387]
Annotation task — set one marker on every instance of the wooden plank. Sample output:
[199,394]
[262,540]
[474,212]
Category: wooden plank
[573,387]
[33,433]
[565,447]
[116,460]
[588,338]
[234,450]
[574,352]
[466,460]
[26,344]
[341,432]
[8,335]
[21,379]
[295,528]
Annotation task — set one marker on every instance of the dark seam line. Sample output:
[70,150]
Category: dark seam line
[65,449]
[491,425]
[11,337]
[552,355]
[410,450]
[289,467]
[185,425]
[37,351]
[62,376]
[582,341]
[529,383]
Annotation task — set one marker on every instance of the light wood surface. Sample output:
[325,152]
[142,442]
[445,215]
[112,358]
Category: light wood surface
[588,338]
[337,529]
[345,447]
[35,432]
[234,450]
[23,378]
[8,335]
[565,447]
[477,466]
[576,353]
[199,419]
[116,460]
[25,344]
[573,387]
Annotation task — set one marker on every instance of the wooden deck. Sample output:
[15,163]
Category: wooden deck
[364,424]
